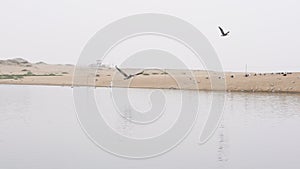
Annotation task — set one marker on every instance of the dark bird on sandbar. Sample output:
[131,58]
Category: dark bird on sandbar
[223,33]
[126,76]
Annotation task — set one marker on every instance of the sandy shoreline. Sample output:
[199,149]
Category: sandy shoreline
[25,73]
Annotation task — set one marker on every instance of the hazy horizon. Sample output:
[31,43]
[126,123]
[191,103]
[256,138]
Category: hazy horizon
[263,34]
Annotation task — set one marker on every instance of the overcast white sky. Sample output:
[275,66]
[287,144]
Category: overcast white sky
[264,33]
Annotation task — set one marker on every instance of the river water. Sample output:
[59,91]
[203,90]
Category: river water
[39,128]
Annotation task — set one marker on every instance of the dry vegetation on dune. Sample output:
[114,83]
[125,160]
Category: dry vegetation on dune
[20,71]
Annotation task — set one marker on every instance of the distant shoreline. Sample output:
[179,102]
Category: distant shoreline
[21,72]
[232,91]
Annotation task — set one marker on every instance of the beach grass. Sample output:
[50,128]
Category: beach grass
[20,76]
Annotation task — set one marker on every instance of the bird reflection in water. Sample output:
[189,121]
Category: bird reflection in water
[222,141]
[125,124]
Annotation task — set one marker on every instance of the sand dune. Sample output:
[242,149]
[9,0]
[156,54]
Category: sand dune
[20,71]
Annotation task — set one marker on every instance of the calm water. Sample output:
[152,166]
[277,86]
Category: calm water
[39,129]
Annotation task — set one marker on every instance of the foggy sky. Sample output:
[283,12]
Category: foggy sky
[264,33]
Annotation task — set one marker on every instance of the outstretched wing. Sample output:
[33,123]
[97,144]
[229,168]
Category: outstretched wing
[122,72]
[222,31]
[139,73]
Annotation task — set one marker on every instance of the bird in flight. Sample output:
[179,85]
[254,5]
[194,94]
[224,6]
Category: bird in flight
[126,76]
[223,33]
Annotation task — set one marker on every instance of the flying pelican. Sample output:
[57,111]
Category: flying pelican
[126,76]
[223,33]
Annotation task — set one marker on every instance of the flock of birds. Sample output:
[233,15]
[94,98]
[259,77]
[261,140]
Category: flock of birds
[128,76]
[264,74]
[223,33]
